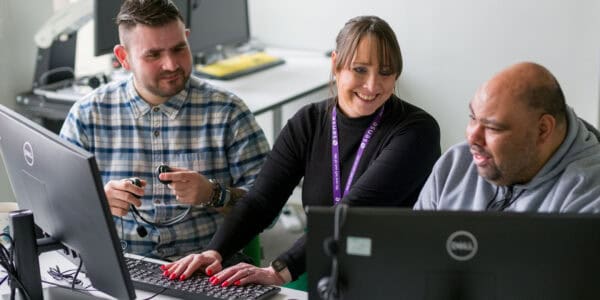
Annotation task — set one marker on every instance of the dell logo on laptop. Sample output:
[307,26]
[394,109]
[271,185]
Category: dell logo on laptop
[28,153]
[461,245]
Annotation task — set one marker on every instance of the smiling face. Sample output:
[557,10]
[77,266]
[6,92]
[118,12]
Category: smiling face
[364,84]
[159,58]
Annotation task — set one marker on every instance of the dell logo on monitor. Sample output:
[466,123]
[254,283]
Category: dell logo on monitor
[28,153]
[461,245]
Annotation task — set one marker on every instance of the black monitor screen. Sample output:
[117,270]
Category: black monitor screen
[218,22]
[60,184]
[105,29]
[393,253]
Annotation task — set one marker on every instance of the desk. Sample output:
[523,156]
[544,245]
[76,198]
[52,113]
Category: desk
[51,259]
[304,74]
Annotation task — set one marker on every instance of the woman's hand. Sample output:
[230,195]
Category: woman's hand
[243,273]
[208,262]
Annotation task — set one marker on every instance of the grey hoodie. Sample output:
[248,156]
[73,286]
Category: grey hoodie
[568,182]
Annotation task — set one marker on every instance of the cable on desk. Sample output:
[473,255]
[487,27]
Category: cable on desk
[7,262]
[157,293]
[67,275]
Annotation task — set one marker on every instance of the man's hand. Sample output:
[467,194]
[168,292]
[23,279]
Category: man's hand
[122,193]
[190,187]
[208,262]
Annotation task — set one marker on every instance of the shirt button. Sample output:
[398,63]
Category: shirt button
[156,109]
[156,133]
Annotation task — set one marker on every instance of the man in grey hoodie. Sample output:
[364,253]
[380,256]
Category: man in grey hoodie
[525,151]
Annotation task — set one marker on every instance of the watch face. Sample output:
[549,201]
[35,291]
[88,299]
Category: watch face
[278,265]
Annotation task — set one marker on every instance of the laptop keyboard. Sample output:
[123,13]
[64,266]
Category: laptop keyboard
[148,276]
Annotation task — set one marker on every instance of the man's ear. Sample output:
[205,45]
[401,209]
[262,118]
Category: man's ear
[121,55]
[546,127]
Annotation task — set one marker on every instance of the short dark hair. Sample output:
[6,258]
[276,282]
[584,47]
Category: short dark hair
[548,97]
[358,27]
[147,12]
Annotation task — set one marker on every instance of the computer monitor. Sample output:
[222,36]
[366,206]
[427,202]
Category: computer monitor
[218,22]
[393,253]
[106,33]
[60,184]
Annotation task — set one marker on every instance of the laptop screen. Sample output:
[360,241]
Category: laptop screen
[394,253]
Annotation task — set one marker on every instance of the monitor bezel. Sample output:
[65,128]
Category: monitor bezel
[118,283]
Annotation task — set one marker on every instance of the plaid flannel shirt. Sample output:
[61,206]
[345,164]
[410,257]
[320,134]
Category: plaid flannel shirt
[202,128]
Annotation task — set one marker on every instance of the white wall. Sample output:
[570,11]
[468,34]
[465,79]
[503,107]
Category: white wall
[451,47]
[19,20]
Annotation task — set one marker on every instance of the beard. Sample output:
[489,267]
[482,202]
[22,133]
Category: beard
[515,168]
[169,89]
[490,172]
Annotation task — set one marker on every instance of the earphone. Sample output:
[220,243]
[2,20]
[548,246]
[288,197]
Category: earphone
[328,287]
[141,230]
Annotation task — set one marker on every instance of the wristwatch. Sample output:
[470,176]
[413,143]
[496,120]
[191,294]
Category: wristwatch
[282,270]
[278,265]
[215,196]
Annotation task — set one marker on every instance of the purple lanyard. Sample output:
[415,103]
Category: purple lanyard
[335,154]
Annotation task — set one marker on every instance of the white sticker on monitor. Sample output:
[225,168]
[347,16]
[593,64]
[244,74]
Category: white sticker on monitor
[358,246]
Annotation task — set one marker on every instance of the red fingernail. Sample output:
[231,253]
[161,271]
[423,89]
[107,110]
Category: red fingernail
[209,272]
[166,273]
[225,283]
[182,277]
[214,281]
[173,276]
[237,282]
[163,267]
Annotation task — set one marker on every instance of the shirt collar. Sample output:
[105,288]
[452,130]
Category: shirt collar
[170,108]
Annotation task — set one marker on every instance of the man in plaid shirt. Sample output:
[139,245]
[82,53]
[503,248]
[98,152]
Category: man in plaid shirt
[161,115]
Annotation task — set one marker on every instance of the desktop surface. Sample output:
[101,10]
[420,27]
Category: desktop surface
[392,253]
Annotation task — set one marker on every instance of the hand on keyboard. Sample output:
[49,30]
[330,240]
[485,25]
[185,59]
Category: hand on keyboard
[244,274]
[146,275]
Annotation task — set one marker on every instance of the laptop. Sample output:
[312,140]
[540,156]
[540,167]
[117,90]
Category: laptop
[394,253]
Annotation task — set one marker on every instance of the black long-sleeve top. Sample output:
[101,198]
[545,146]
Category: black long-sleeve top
[394,167]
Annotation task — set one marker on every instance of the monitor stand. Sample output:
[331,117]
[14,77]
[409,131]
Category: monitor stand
[26,251]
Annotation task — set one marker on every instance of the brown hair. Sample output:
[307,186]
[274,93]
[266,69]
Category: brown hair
[147,12]
[355,29]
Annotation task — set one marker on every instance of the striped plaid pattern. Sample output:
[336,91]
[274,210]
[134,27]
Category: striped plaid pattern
[202,128]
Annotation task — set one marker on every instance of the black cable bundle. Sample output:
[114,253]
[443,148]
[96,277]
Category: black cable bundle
[68,275]
[7,262]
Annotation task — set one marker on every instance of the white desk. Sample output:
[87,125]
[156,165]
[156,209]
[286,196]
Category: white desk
[53,258]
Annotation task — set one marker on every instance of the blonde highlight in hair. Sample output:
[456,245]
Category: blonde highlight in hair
[347,40]
[355,29]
